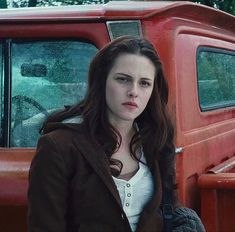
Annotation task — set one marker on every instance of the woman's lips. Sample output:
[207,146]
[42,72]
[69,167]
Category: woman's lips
[130,105]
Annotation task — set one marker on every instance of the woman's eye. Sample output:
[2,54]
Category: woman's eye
[145,83]
[122,79]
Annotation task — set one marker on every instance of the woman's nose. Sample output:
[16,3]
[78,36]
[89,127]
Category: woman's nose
[132,91]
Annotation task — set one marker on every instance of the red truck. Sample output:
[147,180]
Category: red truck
[45,55]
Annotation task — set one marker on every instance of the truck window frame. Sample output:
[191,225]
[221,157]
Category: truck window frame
[215,50]
[7,58]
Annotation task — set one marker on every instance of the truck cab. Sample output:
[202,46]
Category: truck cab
[45,56]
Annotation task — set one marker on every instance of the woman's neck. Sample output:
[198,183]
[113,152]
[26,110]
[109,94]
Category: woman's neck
[126,130]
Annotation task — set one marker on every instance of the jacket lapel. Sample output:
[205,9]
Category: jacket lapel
[92,152]
[98,160]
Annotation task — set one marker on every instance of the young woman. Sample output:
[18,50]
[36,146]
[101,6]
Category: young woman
[107,163]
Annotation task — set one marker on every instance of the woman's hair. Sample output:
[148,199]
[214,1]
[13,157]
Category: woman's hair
[155,133]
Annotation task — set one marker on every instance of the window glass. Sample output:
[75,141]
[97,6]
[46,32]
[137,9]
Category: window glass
[216,78]
[120,28]
[45,77]
[1,93]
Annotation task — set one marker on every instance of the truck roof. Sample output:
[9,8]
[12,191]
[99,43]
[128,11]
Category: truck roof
[120,10]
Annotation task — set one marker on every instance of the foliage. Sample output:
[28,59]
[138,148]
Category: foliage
[3,3]
[45,3]
[224,5]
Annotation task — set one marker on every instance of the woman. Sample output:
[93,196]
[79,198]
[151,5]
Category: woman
[107,163]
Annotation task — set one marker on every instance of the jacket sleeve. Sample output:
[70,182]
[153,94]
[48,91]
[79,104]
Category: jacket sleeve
[186,220]
[48,189]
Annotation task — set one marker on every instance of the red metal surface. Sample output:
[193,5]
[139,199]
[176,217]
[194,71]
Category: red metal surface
[207,138]
[218,197]
[98,37]
[14,166]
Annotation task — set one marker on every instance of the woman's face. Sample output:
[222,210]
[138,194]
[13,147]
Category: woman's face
[128,87]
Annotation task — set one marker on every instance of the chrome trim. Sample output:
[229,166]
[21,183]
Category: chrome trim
[179,150]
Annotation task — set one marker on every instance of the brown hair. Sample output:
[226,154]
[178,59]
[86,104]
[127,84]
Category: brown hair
[155,133]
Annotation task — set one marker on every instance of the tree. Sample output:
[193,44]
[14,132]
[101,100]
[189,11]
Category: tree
[32,3]
[3,3]
[227,6]
[208,2]
[224,5]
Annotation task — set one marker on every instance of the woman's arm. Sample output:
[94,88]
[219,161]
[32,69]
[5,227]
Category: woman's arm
[48,189]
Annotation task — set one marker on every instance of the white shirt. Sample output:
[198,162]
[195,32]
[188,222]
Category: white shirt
[135,193]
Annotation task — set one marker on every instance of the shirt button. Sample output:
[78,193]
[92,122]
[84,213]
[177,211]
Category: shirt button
[128,194]
[128,185]
[122,216]
[127,204]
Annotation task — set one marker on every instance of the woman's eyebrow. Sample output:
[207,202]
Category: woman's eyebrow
[124,74]
[146,79]
[129,76]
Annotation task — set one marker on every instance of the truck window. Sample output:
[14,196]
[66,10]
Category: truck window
[216,78]
[46,76]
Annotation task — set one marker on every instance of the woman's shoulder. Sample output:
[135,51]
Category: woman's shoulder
[66,132]
[68,126]
[66,142]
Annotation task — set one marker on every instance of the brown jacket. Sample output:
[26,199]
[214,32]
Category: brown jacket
[71,188]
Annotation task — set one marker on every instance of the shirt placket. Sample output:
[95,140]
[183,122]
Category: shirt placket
[128,197]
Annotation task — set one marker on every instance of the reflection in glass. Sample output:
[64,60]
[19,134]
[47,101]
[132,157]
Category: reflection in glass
[45,77]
